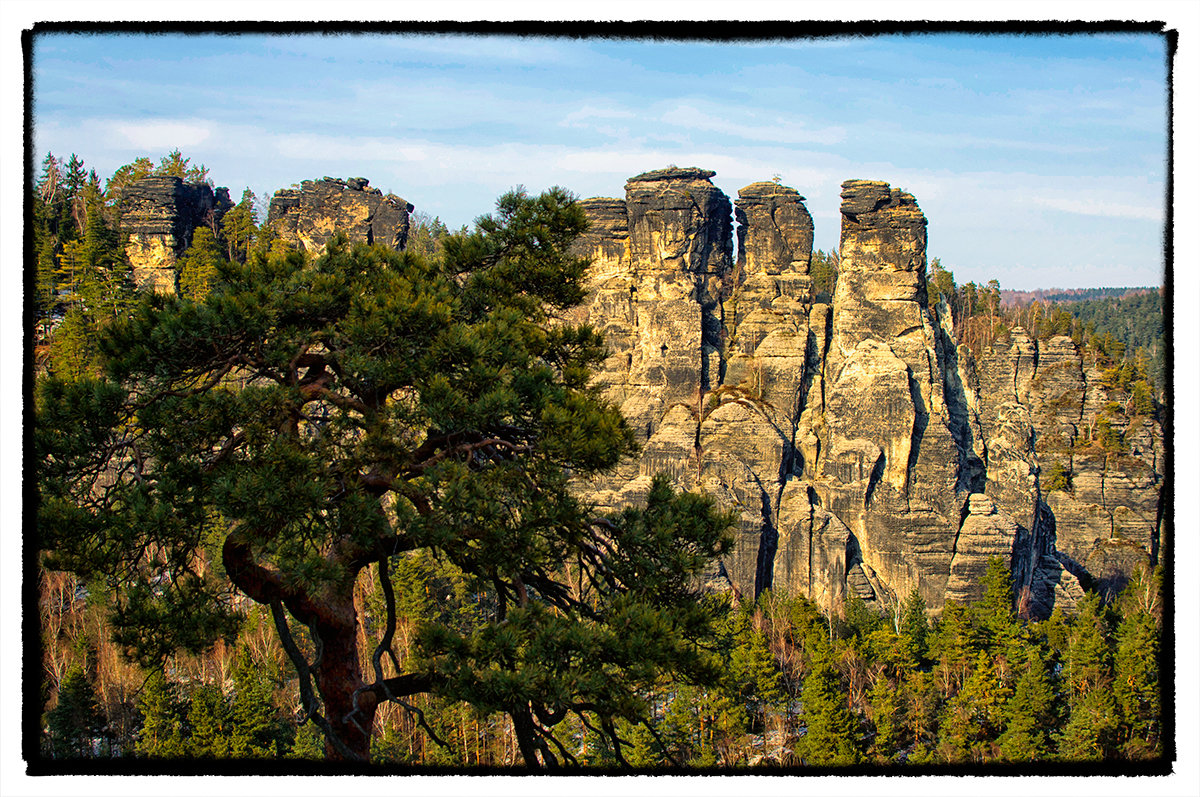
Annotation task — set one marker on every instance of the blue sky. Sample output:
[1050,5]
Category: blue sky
[1039,160]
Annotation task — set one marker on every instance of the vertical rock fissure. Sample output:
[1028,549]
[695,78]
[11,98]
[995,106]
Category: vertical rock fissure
[857,417]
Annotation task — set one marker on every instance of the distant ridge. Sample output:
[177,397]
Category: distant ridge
[1021,298]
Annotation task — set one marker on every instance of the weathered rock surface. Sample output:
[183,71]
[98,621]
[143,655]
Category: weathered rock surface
[307,217]
[159,214]
[864,451]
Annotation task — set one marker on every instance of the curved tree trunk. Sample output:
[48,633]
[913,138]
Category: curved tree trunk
[338,676]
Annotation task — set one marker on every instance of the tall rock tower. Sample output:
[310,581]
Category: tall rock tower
[862,449]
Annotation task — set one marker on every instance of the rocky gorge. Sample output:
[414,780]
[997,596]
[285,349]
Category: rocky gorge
[865,451]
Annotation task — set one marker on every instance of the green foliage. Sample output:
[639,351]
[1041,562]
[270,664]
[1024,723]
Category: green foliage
[129,173]
[832,736]
[1029,715]
[1136,683]
[1088,663]
[887,716]
[973,717]
[308,744]
[73,352]
[752,667]
[255,728]
[174,164]
[1057,477]
[993,614]
[239,228]
[941,285]
[162,733]
[1143,398]
[425,235]
[1090,733]
[200,266]
[207,723]
[824,272]
[954,644]
[76,721]
[914,628]
[311,419]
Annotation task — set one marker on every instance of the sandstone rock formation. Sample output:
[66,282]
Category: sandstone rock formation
[160,214]
[308,216]
[864,451]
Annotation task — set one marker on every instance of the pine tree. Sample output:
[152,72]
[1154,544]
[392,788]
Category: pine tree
[162,733]
[239,228]
[831,736]
[954,645]
[993,614]
[73,348]
[382,404]
[76,721]
[200,266]
[129,173]
[1090,732]
[888,718]
[174,164]
[973,718]
[206,721]
[824,271]
[74,180]
[255,728]
[753,667]
[914,629]
[1088,664]
[1136,684]
[1029,715]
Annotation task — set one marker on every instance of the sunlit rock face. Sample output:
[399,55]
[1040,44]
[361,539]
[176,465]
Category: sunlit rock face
[864,451]
[159,215]
[308,216]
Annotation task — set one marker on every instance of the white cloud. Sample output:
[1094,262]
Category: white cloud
[162,134]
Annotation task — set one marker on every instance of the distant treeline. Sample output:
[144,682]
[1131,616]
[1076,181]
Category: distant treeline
[1009,298]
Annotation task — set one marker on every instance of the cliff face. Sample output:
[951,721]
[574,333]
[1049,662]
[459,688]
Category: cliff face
[307,217]
[863,450]
[160,214]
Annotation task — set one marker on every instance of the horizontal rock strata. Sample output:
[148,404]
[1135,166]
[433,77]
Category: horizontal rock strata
[159,215]
[307,217]
[865,452]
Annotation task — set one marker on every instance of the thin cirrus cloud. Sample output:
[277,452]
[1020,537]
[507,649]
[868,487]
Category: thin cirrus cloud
[779,131]
[1093,207]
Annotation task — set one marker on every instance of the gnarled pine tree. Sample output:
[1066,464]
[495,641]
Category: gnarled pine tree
[309,422]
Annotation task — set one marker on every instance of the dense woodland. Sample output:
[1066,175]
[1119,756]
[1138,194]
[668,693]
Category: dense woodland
[771,681]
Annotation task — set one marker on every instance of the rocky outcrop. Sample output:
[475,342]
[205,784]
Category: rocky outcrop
[307,217]
[864,451]
[159,215]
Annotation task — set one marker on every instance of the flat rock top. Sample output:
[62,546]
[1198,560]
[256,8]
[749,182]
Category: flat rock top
[867,196]
[672,173]
[767,189]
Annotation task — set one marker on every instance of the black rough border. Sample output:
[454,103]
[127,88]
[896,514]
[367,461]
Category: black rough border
[714,31]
